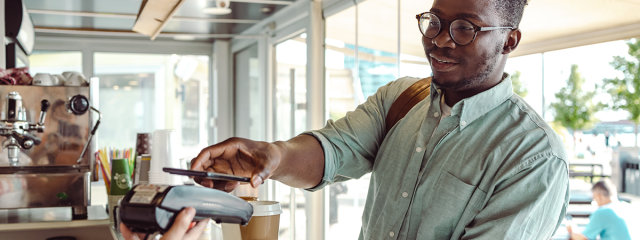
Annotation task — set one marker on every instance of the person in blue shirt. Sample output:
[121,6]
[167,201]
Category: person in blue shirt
[612,218]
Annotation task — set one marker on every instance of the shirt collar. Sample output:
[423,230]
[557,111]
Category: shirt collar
[470,109]
[446,110]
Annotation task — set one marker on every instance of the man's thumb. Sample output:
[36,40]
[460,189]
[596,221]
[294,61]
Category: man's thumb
[256,181]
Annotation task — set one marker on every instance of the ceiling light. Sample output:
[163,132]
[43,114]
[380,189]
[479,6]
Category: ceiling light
[184,37]
[222,7]
[217,11]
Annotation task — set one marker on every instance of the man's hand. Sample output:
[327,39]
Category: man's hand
[181,228]
[240,157]
[571,227]
[298,162]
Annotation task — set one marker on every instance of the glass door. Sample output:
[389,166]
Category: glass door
[249,98]
[290,119]
[250,107]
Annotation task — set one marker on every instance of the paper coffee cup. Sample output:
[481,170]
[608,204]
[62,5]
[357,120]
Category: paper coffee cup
[143,143]
[120,177]
[265,222]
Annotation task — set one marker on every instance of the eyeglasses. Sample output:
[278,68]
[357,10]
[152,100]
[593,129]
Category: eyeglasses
[461,31]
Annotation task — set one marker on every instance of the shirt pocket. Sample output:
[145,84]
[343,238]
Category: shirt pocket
[453,205]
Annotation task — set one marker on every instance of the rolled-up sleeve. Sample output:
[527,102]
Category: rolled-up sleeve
[528,205]
[350,144]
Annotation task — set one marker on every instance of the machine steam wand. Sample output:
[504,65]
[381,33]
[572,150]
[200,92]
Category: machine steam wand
[79,105]
[93,132]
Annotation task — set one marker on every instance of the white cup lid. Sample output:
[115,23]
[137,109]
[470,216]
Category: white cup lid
[266,208]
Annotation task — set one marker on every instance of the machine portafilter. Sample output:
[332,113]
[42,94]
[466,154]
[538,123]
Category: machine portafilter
[17,129]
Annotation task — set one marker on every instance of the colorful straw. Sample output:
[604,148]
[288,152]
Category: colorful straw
[106,175]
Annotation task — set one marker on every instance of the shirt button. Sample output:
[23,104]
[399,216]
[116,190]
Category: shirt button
[405,194]
[463,123]
[436,114]
[418,149]
[391,234]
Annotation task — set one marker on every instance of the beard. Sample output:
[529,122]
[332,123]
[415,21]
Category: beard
[488,62]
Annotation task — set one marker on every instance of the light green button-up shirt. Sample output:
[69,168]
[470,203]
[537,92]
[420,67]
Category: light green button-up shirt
[492,170]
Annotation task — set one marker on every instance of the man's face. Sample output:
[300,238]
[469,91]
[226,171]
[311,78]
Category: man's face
[470,65]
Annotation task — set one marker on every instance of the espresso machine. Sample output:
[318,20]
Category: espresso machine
[46,156]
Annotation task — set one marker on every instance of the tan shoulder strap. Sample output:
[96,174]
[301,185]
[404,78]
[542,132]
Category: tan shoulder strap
[406,101]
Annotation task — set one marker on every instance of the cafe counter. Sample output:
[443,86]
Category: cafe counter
[44,223]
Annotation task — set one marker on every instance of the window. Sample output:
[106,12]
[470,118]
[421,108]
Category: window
[413,62]
[377,44]
[142,92]
[530,69]
[594,65]
[343,91]
[54,62]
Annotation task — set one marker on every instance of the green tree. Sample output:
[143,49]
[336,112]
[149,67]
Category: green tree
[625,94]
[574,108]
[519,87]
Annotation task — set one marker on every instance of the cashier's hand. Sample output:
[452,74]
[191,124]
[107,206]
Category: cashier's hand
[240,157]
[182,228]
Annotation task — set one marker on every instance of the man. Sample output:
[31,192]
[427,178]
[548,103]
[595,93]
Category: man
[471,161]
[612,218]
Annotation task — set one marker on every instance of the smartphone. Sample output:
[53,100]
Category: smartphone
[208,175]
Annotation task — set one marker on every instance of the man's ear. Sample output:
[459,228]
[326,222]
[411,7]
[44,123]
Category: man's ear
[596,195]
[512,41]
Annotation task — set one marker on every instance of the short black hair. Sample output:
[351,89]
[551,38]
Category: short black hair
[605,187]
[511,11]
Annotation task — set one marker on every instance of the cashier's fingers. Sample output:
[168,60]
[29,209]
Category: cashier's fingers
[196,232]
[128,235]
[180,225]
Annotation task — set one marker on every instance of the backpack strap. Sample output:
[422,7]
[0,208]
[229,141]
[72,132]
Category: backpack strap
[406,101]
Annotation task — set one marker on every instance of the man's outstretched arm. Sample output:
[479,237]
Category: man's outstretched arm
[302,164]
[298,162]
[350,146]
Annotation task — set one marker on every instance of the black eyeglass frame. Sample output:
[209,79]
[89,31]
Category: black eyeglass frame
[476,28]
